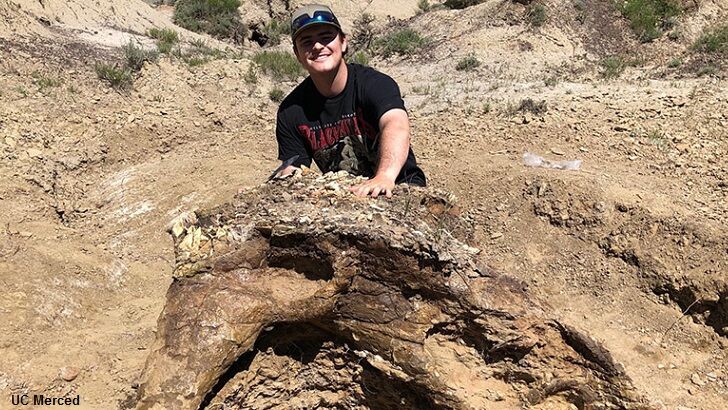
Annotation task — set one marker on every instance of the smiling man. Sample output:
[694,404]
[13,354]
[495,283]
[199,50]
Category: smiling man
[343,116]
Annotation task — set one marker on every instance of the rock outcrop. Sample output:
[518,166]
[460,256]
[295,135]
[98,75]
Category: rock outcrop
[300,295]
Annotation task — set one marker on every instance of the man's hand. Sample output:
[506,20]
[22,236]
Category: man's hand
[286,172]
[374,187]
[393,148]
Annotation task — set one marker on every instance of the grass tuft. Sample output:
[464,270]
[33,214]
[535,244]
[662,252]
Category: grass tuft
[675,63]
[119,78]
[166,35]
[713,41]
[219,18]
[360,57]
[43,81]
[536,15]
[135,56]
[612,67]
[468,63]
[461,4]
[274,30]
[281,65]
[403,42]
[276,95]
[648,18]
[534,107]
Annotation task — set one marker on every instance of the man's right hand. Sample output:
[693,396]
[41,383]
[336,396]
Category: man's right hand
[285,172]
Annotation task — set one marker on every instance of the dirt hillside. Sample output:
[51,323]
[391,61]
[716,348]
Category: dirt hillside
[631,248]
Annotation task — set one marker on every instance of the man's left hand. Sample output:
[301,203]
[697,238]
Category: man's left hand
[374,187]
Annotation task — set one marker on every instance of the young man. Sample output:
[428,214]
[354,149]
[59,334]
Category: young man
[343,116]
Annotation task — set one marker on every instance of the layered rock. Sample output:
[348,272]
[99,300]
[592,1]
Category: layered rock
[300,295]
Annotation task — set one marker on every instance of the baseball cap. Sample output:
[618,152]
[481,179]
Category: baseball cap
[310,14]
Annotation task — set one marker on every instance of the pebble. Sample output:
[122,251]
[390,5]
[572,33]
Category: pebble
[35,153]
[496,235]
[333,186]
[69,373]
[695,378]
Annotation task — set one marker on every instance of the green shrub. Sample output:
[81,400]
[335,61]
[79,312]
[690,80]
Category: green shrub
[276,95]
[468,63]
[274,30]
[166,35]
[713,41]
[21,90]
[360,57]
[200,48]
[281,65]
[649,17]
[165,48]
[166,39]
[423,6]
[43,81]
[403,42]
[612,67]
[219,18]
[551,81]
[421,90]
[674,63]
[707,70]
[135,56]
[536,15]
[461,4]
[251,76]
[194,61]
[535,107]
[118,77]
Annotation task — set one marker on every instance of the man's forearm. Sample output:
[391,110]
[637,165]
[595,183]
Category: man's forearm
[393,149]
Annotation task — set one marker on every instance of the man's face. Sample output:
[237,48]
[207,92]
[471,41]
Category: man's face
[320,48]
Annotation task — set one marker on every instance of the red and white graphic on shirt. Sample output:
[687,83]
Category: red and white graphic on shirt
[349,125]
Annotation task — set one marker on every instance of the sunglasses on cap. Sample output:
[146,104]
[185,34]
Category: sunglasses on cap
[318,17]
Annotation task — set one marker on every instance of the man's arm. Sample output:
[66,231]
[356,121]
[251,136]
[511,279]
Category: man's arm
[393,149]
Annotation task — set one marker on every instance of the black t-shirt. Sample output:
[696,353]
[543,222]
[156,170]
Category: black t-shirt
[341,132]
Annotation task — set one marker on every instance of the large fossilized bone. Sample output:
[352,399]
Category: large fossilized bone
[393,280]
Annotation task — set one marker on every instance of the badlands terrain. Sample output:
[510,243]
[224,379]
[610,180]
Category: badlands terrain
[631,248]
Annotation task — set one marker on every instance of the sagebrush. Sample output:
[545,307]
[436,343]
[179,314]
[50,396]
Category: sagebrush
[219,18]
[281,65]
[403,42]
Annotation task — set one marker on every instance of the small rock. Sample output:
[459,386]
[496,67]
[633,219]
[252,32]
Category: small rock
[69,373]
[695,378]
[496,235]
[557,151]
[682,147]
[10,142]
[35,153]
